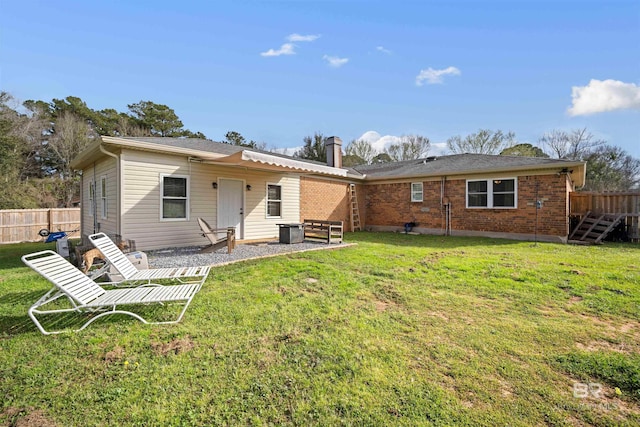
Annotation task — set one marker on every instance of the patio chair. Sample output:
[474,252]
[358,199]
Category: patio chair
[212,234]
[86,296]
[130,273]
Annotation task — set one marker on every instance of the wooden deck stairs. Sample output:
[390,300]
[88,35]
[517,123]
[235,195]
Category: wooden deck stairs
[355,212]
[594,228]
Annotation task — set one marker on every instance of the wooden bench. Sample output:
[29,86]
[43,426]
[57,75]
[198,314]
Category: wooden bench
[327,231]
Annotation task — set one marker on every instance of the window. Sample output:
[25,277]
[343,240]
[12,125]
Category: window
[477,194]
[92,190]
[416,191]
[103,197]
[274,201]
[492,193]
[175,197]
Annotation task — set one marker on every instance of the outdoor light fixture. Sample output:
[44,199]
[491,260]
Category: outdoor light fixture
[214,185]
[248,187]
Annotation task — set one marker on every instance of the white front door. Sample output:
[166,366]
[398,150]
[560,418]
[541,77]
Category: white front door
[231,205]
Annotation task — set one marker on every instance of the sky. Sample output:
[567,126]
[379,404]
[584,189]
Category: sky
[277,71]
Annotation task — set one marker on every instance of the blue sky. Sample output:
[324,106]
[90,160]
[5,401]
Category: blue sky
[277,71]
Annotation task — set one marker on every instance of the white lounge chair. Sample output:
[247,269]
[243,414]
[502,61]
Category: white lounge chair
[86,296]
[130,273]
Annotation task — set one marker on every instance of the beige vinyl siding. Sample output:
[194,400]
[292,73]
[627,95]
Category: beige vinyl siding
[141,200]
[107,168]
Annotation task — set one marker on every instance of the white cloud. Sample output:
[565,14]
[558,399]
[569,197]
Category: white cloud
[295,37]
[383,50]
[435,76]
[379,142]
[287,151]
[285,49]
[334,61]
[604,95]
[438,149]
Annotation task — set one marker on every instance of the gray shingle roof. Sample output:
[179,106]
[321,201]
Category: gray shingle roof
[191,144]
[456,163]
[209,146]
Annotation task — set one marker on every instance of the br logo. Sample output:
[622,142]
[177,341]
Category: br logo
[584,390]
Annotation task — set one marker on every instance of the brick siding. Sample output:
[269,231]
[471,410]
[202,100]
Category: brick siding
[390,205]
[325,200]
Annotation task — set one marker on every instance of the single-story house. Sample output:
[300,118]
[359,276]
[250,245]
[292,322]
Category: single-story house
[152,190]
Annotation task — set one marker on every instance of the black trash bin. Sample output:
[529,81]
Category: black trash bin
[291,233]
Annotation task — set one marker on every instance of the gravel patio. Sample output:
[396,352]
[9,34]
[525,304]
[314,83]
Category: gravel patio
[191,256]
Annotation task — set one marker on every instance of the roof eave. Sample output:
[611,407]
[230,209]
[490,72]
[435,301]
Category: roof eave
[578,176]
[149,146]
[89,154]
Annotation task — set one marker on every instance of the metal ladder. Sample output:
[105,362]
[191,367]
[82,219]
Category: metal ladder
[355,213]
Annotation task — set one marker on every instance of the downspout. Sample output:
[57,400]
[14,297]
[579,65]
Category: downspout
[445,206]
[118,184]
[94,202]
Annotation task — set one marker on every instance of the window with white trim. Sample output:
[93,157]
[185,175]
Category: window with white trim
[274,201]
[416,191]
[175,197]
[103,197]
[92,196]
[492,193]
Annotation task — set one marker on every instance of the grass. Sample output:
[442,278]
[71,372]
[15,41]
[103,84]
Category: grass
[397,330]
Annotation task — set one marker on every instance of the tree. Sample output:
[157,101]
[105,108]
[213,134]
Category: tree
[159,119]
[359,150]
[524,150]
[381,158]
[611,168]
[71,135]
[573,145]
[235,138]
[350,160]
[110,122]
[410,147]
[38,141]
[15,128]
[313,149]
[484,141]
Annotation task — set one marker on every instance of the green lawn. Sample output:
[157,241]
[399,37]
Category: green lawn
[397,330]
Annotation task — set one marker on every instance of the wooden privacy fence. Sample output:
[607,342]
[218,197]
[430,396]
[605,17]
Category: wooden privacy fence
[619,203]
[22,225]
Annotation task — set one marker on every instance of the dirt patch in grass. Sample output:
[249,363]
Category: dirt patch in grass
[267,354]
[115,355]
[437,314]
[434,257]
[388,293]
[505,389]
[384,305]
[604,346]
[26,417]
[176,346]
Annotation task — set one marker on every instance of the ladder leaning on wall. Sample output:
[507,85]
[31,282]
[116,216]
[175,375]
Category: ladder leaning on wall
[355,213]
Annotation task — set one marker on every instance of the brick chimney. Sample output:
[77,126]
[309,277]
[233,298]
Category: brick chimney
[334,151]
